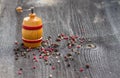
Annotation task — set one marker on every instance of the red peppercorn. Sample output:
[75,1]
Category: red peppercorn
[33,53]
[69,47]
[78,46]
[45,58]
[62,34]
[53,67]
[19,72]
[81,69]
[65,37]
[50,49]
[34,67]
[40,57]
[42,49]
[45,52]
[65,57]
[58,39]
[34,57]
[36,60]
[81,41]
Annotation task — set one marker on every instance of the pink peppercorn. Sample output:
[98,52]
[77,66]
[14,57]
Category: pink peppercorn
[16,42]
[39,51]
[33,53]
[78,46]
[65,57]
[66,38]
[81,69]
[45,58]
[53,67]
[45,51]
[34,57]
[19,72]
[40,57]
[34,67]
[36,60]
[62,34]
[81,41]
[69,46]
[42,49]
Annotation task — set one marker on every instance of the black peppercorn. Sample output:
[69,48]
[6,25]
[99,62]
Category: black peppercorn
[87,66]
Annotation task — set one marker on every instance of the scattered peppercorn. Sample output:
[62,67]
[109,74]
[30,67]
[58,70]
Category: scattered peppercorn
[81,69]
[50,76]
[22,44]
[68,65]
[50,64]
[19,72]
[21,69]
[16,42]
[87,66]
[53,67]
[58,39]
[34,67]
[16,58]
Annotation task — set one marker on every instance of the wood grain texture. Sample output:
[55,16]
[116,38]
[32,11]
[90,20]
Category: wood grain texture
[94,19]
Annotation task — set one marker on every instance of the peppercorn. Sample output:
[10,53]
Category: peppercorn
[71,58]
[50,76]
[49,37]
[58,54]
[21,69]
[22,44]
[69,54]
[50,64]
[69,47]
[34,67]
[16,42]
[87,66]
[59,36]
[16,53]
[34,57]
[78,53]
[40,57]
[65,38]
[28,56]
[46,62]
[19,72]
[66,60]
[62,34]
[68,65]
[36,60]
[55,45]
[58,39]
[81,69]
[22,54]
[53,67]
[78,46]
[16,58]
[17,49]
[58,61]
[34,54]
[55,50]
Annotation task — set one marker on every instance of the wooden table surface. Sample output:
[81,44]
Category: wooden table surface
[98,18]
